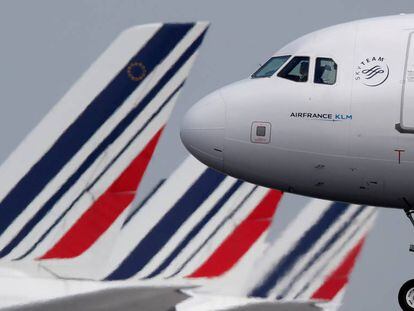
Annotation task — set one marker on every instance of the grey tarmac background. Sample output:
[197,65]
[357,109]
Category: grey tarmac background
[47,44]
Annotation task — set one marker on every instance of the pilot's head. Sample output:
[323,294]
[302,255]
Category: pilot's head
[304,68]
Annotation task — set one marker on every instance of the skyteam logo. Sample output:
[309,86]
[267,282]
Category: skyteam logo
[333,117]
[372,71]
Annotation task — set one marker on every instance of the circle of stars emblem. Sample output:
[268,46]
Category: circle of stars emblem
[136,71]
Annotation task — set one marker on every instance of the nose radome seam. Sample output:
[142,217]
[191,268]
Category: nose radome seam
[220,93]
[202,131]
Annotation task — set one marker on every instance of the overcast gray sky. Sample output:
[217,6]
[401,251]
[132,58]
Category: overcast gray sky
[46,46]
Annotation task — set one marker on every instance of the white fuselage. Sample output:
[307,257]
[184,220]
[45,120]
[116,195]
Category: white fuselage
[351,140]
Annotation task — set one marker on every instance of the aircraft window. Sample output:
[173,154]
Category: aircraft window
[296,70]
[270,67]
[325,71]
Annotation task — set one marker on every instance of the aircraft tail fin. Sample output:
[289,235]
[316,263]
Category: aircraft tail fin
[194,226]
[197,225]
[311,261]
[86,158]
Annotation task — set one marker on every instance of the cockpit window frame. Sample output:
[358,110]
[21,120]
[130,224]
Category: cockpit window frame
[254,75]
[328,58]
[287,64]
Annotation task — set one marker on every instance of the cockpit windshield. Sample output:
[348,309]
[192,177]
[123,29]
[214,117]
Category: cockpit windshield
[270,67]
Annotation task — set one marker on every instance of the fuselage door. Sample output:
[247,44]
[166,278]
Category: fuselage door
[407,100]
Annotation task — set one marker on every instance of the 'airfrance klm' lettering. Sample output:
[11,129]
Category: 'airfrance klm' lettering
[321,116]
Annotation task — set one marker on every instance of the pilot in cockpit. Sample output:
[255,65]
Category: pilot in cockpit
[303,70]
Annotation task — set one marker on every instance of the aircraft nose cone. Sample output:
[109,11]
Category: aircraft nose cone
[202,130]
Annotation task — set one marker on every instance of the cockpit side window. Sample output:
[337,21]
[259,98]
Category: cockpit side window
[325,71]
[270,67]
[296,70]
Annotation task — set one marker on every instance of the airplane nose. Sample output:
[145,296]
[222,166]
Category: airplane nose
[202,130]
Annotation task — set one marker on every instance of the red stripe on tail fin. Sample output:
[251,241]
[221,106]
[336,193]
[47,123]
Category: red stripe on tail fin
[241,239]
[105,210]
[340,277]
